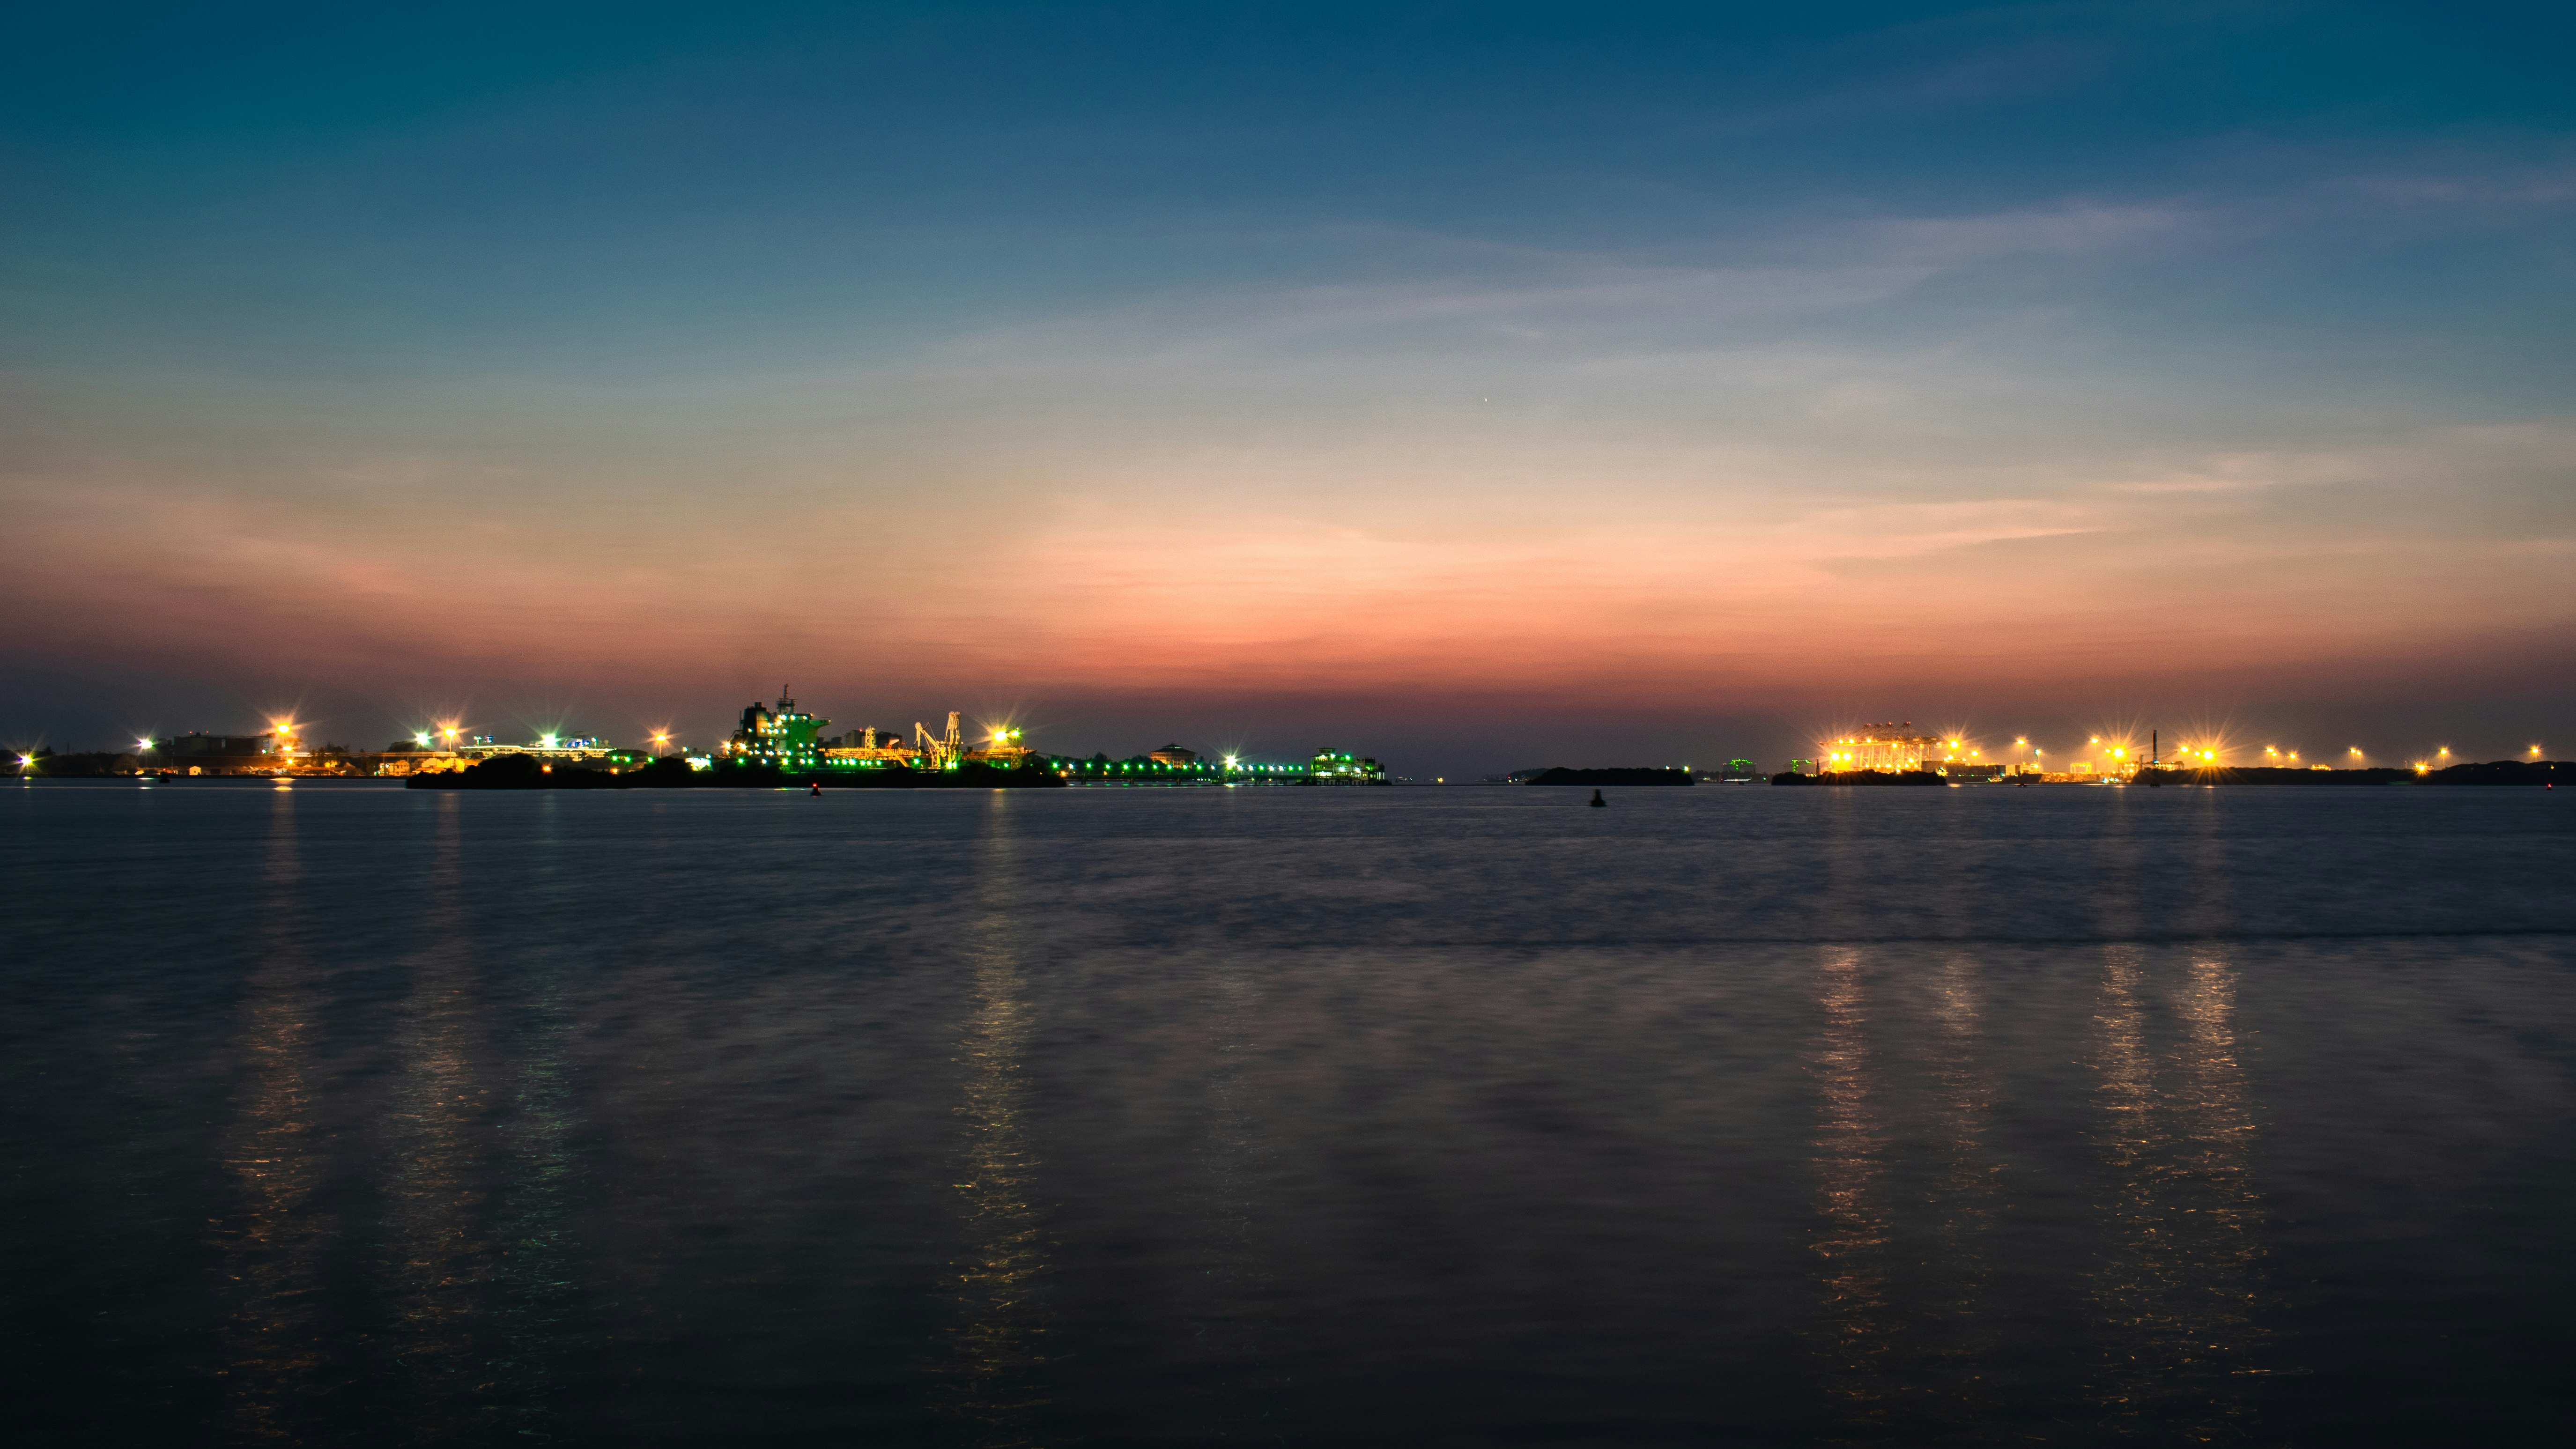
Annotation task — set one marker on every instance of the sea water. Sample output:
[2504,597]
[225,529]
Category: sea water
[1307,1116]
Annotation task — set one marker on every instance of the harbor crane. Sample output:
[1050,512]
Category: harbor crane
[942,752]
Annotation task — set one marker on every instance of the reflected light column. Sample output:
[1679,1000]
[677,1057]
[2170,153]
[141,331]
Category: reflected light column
[1850,1157]
[273,1243]
[2174,1296]
[999,1345]
[1967,1189]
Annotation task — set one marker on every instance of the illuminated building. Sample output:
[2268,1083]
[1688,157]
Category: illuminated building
[783,737]
[1888,746]
[1337,767]
[1174,755]
[1892,746]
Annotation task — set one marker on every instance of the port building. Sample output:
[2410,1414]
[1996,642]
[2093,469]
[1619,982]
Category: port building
[1895,746]
[1890,746]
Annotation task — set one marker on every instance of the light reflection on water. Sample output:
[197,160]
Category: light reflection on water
[1384,1118]
[1851,1144]
[2176,1290]
[1908,1191]
[273,1238]
[1967,1186]
[1001,1339]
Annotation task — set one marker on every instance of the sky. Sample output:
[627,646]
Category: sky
[1478,386]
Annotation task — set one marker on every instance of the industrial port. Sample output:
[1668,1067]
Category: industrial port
[777,742]
[773,743]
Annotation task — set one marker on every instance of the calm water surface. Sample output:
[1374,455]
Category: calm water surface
[1468,1116]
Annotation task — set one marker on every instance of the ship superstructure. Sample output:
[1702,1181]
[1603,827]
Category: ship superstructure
[784,736]
[790,739]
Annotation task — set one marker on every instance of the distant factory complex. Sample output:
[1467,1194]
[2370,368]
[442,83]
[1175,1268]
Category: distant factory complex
[775,738]
[1894,747]
[1894,750]
[779,742]
[792,740]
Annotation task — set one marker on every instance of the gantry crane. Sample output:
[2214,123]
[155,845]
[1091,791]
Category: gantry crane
[942,752]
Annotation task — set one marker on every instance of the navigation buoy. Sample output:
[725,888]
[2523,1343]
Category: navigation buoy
[817,787]
[1597,801]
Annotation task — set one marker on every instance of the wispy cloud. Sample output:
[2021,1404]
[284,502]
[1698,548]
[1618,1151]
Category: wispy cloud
[1577,299]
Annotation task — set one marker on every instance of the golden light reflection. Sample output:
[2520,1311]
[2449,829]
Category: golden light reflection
[1850,1158]
[2174,1297]
[1966,1192]
[1000,1340]
[1909,1192]
[274,1241]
